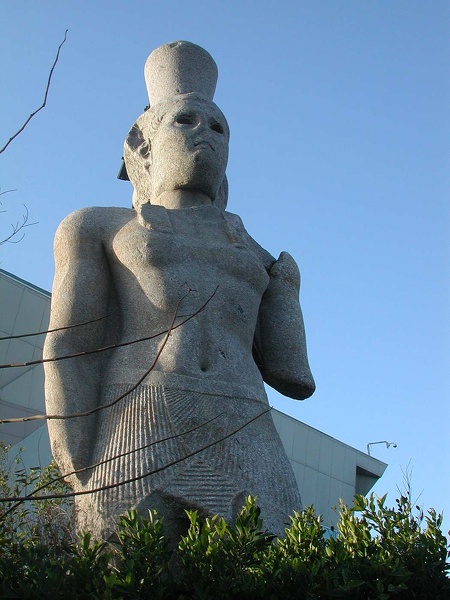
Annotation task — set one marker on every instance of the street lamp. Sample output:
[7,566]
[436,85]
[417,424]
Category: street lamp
[393,444]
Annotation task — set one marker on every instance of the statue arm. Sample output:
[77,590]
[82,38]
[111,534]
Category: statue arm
[280,340]
[80,294]
[279,345]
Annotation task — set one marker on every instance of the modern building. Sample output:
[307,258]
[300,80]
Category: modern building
[325,468]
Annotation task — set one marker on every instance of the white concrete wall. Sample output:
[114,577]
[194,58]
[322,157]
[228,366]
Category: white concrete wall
[325,468]
[23,309]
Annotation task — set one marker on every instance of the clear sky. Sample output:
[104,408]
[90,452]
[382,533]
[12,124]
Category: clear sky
[340,120]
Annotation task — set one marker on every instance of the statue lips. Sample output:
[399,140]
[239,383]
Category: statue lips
[204,144]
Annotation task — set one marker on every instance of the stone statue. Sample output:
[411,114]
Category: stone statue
[126,274]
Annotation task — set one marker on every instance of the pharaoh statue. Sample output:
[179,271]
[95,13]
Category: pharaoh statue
[192,316]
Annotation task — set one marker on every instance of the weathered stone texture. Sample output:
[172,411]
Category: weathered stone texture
[135,273]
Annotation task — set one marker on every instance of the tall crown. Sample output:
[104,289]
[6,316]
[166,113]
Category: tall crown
[179,68]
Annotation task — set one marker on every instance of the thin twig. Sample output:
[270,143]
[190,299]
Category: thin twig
[45,97]
[138,477]
[40,361]
[17,228]
[141,379]
[36,333]
[107,460]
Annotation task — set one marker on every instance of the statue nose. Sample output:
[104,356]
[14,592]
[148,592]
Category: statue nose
[201,125]
[202,131]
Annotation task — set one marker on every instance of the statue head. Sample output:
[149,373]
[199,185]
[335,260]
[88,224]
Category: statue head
[181,141]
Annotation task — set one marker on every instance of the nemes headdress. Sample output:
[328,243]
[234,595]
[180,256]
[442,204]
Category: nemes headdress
[174,69]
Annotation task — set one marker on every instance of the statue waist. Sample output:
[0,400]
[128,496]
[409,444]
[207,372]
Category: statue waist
[205,385]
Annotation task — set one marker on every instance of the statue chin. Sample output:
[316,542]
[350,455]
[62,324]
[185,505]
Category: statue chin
[218,196]
[193,174]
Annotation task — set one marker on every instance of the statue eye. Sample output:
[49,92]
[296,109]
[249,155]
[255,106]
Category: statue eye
[217,127]
[184,119]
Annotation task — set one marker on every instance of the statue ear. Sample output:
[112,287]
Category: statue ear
[137,158]
[135,137]
[145,149]
[137,143]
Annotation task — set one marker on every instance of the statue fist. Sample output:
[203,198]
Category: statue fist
[285,271]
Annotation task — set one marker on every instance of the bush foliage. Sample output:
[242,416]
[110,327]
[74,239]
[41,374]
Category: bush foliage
[376,553]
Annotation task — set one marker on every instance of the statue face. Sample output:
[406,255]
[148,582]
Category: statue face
[189,149]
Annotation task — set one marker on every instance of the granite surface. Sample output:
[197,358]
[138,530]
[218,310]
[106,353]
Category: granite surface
[195,316]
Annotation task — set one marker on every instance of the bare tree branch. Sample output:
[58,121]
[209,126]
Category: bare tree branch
[45,332]
[105,348]
[113,402]
[138,477]
[19,131]
[6,192]
[107,460]
[18,227]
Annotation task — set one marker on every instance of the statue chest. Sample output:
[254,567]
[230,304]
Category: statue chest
[190,244]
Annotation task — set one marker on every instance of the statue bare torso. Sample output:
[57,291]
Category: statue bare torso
[170,272]
[162,269]
[188,263]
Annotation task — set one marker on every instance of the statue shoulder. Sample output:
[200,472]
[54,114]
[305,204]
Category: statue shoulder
[93,223]
[237,226]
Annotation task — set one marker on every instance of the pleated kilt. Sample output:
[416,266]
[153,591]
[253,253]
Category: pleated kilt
[200,451]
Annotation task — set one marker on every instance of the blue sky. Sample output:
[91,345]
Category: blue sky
[340,121]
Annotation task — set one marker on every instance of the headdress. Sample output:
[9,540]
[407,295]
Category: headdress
[181,68]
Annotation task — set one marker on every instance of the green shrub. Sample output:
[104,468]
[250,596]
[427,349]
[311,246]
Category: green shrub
[223,561]
[142,558]
[35,522]
[376,553]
